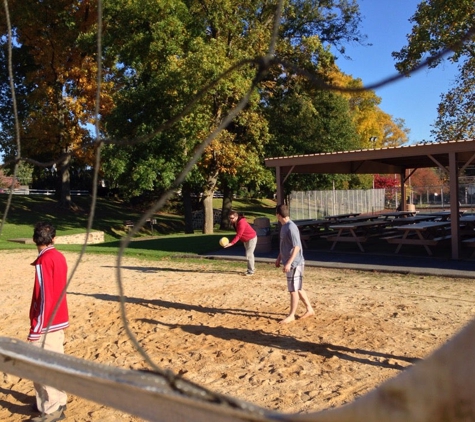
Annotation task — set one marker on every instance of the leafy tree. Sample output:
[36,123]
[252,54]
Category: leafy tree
[390,183]
[6,180]
[307,121]
[175,49]
[166,62]
[374,127]
[25,173]
[165,52]
[311,121]
[395,131]
[424,178]
[57,71]
[385,181]
[424,182]
[440,26]
[455,120]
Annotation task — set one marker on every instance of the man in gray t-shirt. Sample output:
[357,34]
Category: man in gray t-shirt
[289,238]
[291,257]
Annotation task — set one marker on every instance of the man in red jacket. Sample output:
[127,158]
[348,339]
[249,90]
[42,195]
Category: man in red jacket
[247,235]
[49,315]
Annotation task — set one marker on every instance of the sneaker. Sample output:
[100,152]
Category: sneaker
[58,415]
[249,273]
[34,408]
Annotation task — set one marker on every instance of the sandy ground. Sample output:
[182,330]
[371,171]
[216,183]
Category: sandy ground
[206,321]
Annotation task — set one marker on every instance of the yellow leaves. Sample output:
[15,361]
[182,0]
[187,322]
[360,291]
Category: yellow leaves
[313,42]
[370,121]
[225,155]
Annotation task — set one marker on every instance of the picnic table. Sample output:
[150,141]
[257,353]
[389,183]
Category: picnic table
[397,214]
[468,220]
[425,233]
[300,223]
[340,216]
[312,228]
[358,218]
[411,220]
[467,228]
[444,215]
[467,225]
[312,225]
[357,232]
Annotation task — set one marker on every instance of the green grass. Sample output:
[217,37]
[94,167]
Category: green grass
[167,239]
[252,208]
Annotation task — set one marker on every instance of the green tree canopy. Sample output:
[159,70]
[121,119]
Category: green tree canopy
[175,49]
[442,26]
[456,111]
[307,121]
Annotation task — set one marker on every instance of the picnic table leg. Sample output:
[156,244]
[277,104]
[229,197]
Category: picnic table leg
[425,246]
[336,241]
[357,241]
[404,236]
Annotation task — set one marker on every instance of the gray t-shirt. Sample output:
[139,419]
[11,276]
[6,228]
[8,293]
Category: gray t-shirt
[290,237]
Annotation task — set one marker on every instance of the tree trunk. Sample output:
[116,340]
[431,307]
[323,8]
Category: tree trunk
[65,183]
[226,208]
[208,214]
[188,209]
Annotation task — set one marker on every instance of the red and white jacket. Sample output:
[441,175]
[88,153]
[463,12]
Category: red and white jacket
[51,274]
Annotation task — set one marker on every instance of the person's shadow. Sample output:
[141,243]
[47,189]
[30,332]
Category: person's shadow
[26,406]
[367,357]
[154,270]
[178,305]
[289,343]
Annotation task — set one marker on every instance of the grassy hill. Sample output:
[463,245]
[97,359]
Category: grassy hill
[167,238]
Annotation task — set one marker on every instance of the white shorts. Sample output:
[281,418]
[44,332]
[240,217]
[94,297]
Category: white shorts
[295,278]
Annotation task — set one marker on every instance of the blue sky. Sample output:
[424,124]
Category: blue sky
[415,99]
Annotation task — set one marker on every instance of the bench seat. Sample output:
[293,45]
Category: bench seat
[469,242]
[322,234]
[395,236]
[416,241]
[441,238]
[333,238]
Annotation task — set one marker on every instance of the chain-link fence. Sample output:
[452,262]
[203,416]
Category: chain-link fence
[432,196]
[318,204]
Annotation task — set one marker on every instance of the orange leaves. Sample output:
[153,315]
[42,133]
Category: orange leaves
[223,155]
[59,36]
[423,178]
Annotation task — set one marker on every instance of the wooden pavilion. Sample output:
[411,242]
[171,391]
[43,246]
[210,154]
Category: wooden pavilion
[452,157]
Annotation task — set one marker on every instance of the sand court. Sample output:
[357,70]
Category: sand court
[203,320]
